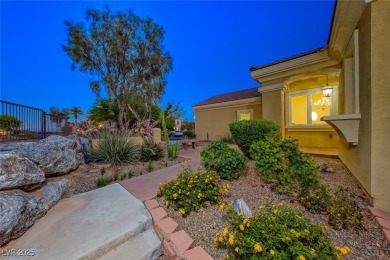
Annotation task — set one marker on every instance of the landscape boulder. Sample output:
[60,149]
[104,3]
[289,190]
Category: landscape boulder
[240,206]
[86,145]
[19,210]
[17,171]
[324,168]
[55,155]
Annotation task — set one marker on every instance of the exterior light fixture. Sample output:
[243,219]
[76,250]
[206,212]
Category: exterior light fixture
[327,90]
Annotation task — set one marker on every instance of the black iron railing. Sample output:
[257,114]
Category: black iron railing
[19,122]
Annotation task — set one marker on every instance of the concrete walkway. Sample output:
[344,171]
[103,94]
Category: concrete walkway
[89,226]
[106,223]
[144,187]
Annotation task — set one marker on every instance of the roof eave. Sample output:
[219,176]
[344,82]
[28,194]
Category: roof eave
[237,102]
[301,64]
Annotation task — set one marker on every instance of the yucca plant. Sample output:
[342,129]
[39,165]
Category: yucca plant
[114,147]
[172,149]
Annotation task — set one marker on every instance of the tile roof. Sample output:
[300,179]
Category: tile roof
[287,59]
[237,95]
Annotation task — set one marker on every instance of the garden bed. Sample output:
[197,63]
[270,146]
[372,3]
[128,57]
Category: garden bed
[84,178]
[366,244]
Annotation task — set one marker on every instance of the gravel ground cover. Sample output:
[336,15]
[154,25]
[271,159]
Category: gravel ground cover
[367,244]
[84,178]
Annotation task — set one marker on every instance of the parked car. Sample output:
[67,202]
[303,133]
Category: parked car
[178,134]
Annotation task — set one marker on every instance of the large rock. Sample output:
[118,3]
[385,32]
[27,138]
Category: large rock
[55,154]
[19,210]
[17,171]
[86,145]
[240,206]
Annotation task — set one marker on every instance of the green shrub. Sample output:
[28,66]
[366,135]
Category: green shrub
[191,190]
[345,213]
[171,149]
[227,138]
[115,176]
[149,166]
[130,174]
[9,122]
[275,232]
[114,147]
[151,152]
[189,134]
[103,181]
[302,166]
[214,150]
[227,162]
[269,158]
[280,161]
[246,132]
[317,201]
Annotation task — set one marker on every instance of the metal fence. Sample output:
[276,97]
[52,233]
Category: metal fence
[19,122]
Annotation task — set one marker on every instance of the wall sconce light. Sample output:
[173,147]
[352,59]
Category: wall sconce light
[327,90]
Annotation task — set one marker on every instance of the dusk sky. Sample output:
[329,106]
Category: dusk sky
[213,44]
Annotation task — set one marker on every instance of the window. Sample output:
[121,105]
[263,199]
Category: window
[307,107]
[244,114]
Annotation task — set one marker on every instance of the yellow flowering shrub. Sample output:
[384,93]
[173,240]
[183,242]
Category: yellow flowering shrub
[276,232]
[192,189]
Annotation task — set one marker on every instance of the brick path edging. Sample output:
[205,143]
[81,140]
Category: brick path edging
[177,244]
[383,219]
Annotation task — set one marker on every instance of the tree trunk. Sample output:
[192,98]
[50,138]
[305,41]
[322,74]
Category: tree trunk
[120,117]
[75,120]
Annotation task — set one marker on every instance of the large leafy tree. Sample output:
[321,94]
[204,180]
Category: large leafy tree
[9,122]
[124,54]
[105,109]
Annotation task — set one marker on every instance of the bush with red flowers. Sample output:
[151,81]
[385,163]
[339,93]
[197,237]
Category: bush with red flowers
[345,213]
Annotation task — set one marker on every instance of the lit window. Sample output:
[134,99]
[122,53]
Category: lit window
[307,108]
[244,114]
[299,110]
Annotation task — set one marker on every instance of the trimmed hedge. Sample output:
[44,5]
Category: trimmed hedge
[227,162]
[246,132]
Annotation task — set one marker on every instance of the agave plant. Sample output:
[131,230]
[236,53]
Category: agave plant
[172,149]
[114,147]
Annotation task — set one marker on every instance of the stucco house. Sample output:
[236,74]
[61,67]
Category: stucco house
[334,100]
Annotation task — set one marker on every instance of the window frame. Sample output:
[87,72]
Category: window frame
[308,93]
[239,112]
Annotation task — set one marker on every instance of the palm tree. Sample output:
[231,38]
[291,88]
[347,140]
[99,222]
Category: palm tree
[65,112]
[76,111]
[55,115]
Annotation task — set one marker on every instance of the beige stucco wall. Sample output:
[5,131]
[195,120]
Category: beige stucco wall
[369,161]
[380,96]
[316,138]
[214,122]
[357,158]
[273,107]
